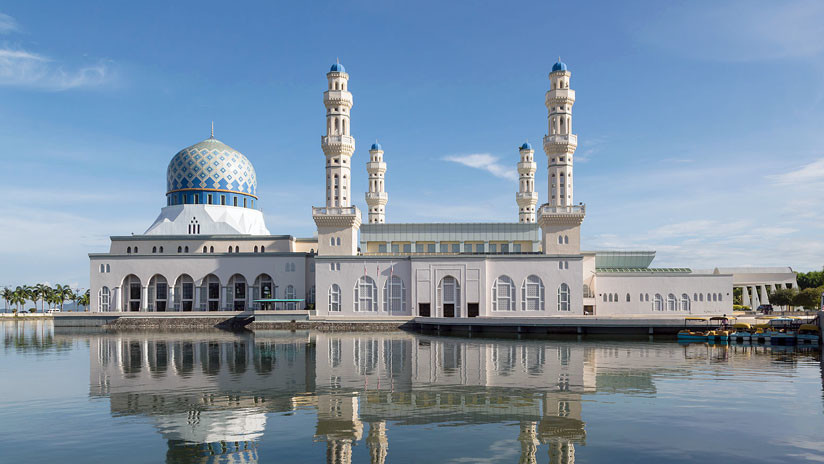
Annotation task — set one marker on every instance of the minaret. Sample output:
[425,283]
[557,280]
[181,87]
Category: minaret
[560,220]
[338,222]
[526,197]
[376,197]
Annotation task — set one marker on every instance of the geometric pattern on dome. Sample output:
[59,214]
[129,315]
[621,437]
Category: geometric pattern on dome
[211,164]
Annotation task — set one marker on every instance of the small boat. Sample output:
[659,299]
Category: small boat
[782,330]
[741,332]
[723,332]
[761,334]
[694,333]
[808,334]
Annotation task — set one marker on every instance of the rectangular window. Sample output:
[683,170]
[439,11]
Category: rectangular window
[382,248]
[516,248]
[424,309]
[188,291]
[493,247]
[430,248]
[223,200]
[209,198]
[214,291]
[444,247]
[244,202]
[235,200]
[197,199]
[504,248]
[240,291]
[468,247]
[419,248]
[407,248]
[479,248]
[456,248]
[396,248]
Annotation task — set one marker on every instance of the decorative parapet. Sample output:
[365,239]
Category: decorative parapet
[561,143]
[334,144]
[552,214]
[336,216]
[377,196]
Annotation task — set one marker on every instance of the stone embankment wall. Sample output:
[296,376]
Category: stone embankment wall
[330,326]
[176,323]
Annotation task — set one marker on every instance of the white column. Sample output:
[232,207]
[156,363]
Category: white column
[197,299]
[118,299]
[764,298]
[170,303]
[745,297]
[144,299]
[755,301]
[248,297]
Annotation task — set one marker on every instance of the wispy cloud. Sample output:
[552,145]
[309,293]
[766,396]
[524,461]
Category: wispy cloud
[485,162]
[743,30]
[7,24]
[20,68]
[807,174]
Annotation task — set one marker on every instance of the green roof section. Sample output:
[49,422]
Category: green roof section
[623,259]
[652,270]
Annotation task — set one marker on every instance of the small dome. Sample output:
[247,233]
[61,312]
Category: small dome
[376,146]
[337,67]
[559,66]
[526,146]
[211,165]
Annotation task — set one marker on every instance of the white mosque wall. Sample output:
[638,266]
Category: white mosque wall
[709,294]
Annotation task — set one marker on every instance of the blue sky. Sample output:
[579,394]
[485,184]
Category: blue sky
[699,123]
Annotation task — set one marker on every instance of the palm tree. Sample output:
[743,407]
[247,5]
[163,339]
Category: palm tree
[54,298]
[84,300]
[7,294]
[18,297]
[30,293]
[44,294]
[76,298]
[66,294]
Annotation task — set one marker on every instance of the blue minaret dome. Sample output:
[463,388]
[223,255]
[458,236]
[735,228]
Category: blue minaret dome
[559,66]
[337,67]
[526,146]
[376,146]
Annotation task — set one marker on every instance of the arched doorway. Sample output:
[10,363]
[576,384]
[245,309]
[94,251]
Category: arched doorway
[132,293]
[158,293]
[212,285]
[237,293]
[263,289]
[184,293]
[449,297]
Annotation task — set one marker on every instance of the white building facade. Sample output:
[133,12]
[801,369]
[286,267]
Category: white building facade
[210,249]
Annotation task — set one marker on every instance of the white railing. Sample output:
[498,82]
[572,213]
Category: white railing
[377,196]
[337,140]
[340,210]
[558,138]
[572,209]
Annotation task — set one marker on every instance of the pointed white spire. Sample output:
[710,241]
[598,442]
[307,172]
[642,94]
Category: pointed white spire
[212,134]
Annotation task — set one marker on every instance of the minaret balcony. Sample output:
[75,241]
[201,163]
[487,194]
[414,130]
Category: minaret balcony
[527,167]
[377,197]
[338,142]
[526,196]
[548,210]
[375,167]
[558,139]
[337,98]
[560,96]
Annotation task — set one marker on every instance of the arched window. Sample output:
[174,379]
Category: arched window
[671,302]
[102,268]
[103,299]
[211,249]
[180,249]
[560,240]
[685,302]
[108,268]
[694,297]
[332,241]
[563,297]
[237,249]
[366,295]
[337,241]
[290,295]
[566,239]
[658,303]
[186,249]
[714,297]
[709,297]
[646,297]
[605,297]
[129,250]
[700,297]
[262,249]
[230,248]
[394,295]
[135,249]
[532,294]
[256,249]
[503,294]
[609,297]
[205,250]
[627,297]
[154,249]
[615,297]
[720,296]
[640,297]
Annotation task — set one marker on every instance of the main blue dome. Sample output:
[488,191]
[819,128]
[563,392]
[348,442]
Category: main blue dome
[211,172]
[526,146]
[559,66]
[337,67]
[376,146]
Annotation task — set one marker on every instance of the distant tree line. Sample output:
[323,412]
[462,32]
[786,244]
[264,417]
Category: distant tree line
[46,295]
[808,293]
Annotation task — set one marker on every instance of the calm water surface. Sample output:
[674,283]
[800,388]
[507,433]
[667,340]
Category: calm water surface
[69,396]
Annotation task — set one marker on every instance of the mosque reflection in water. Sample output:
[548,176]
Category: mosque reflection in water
[209,394]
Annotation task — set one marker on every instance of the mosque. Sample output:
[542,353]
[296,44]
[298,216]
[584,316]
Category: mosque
[210,249]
